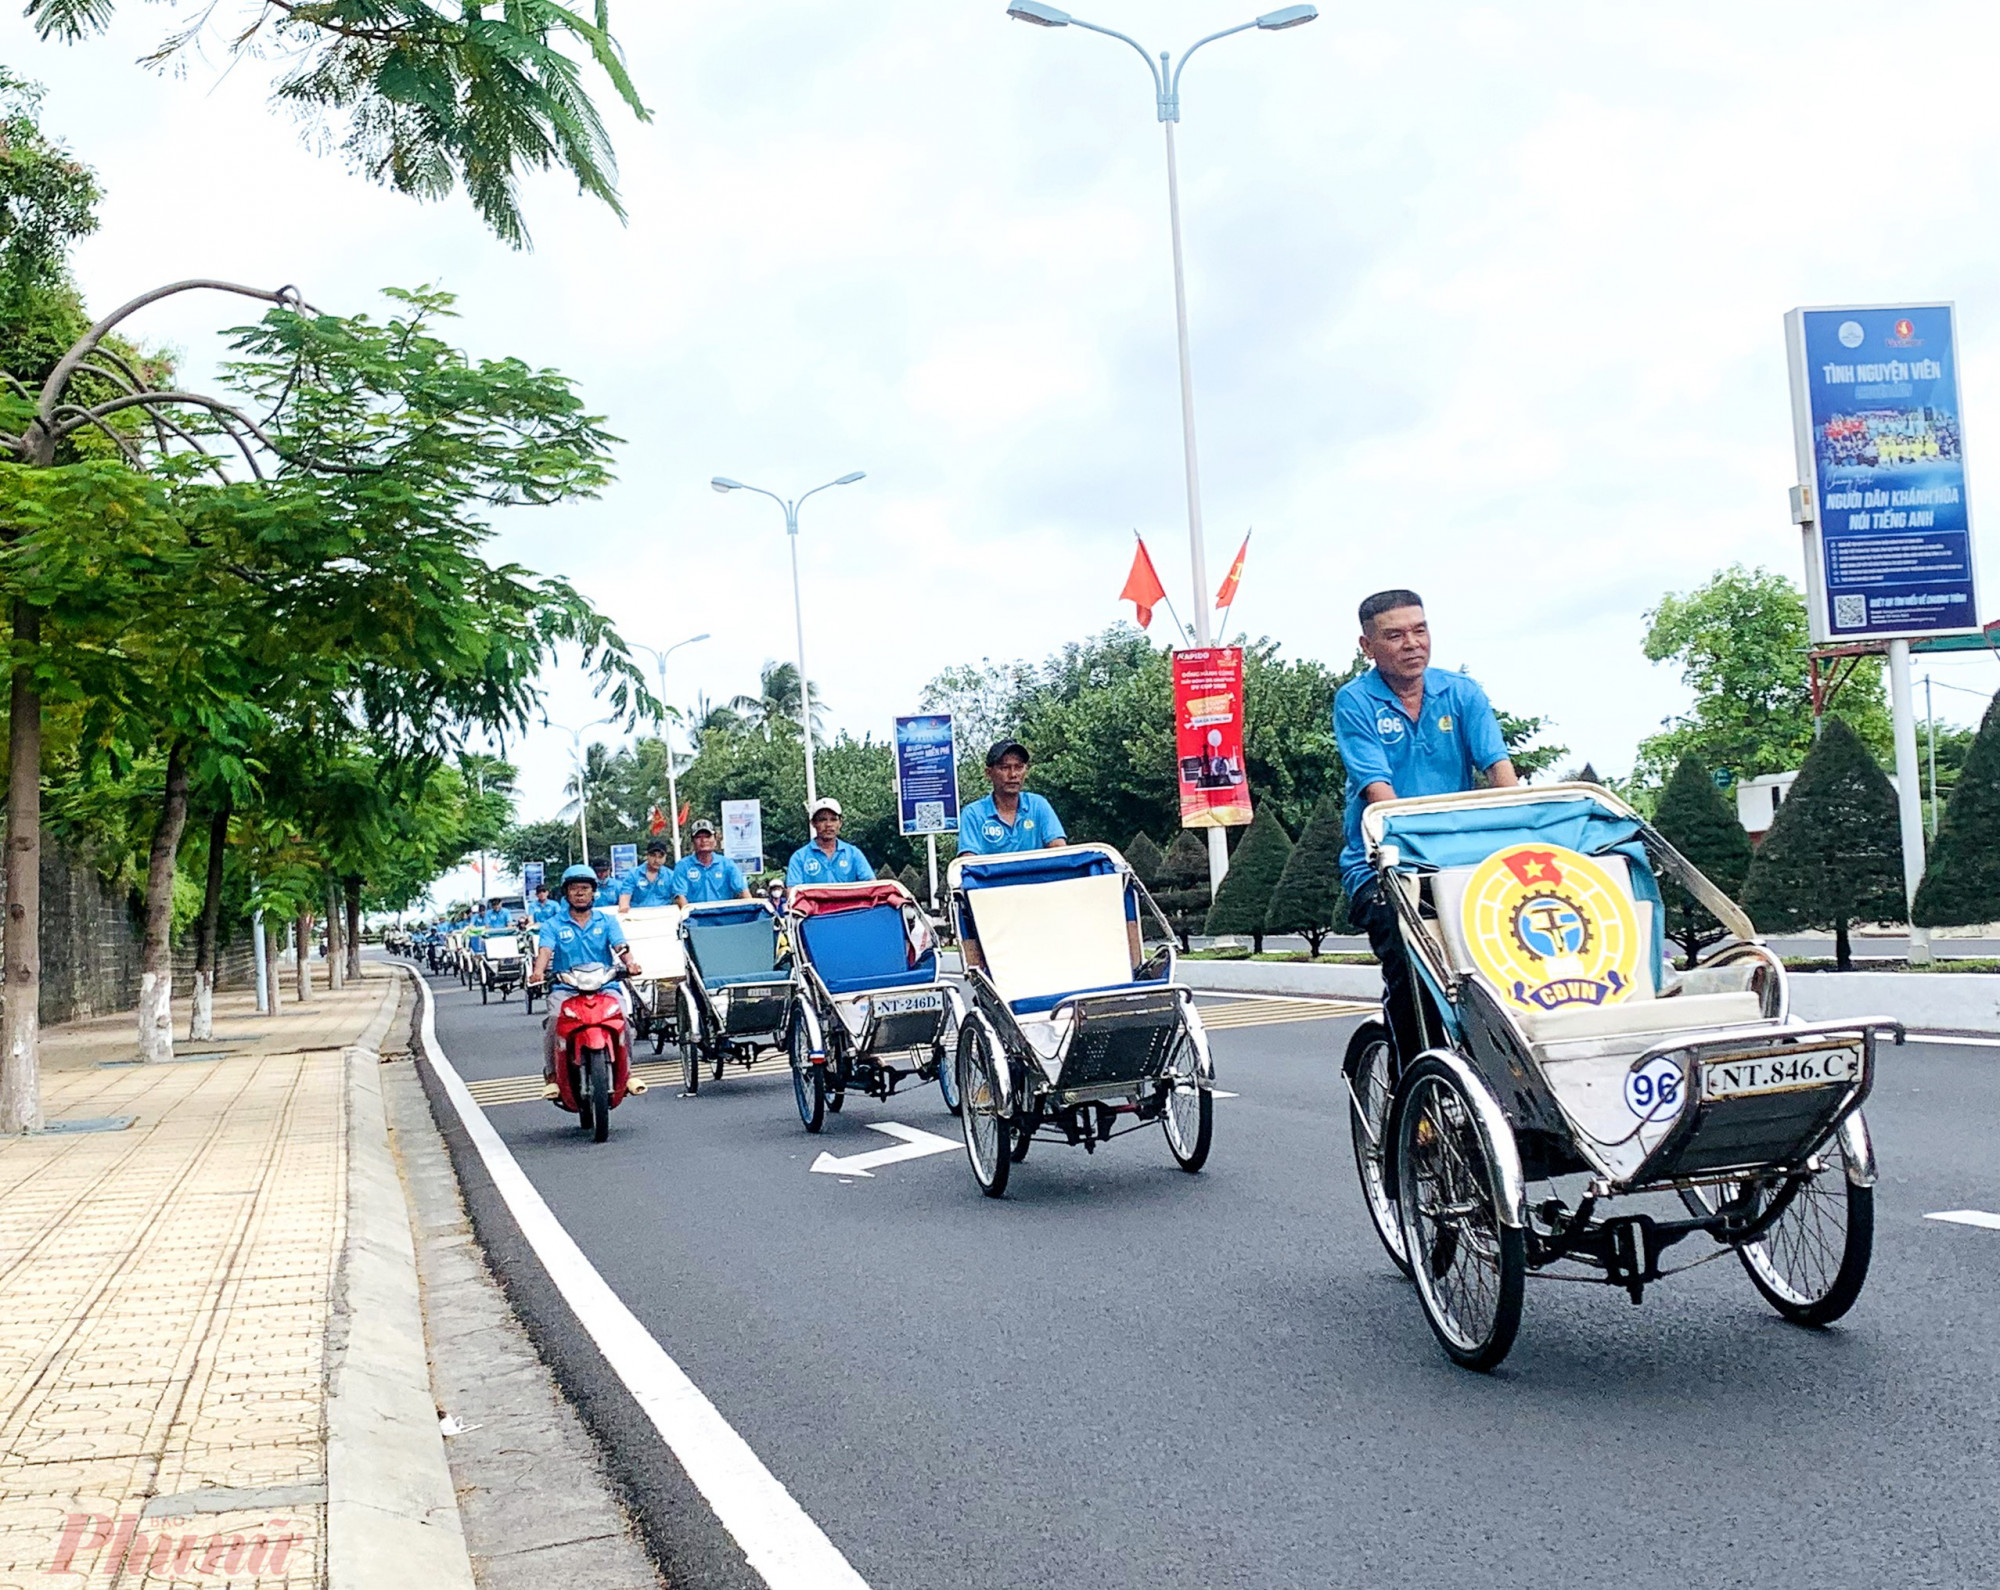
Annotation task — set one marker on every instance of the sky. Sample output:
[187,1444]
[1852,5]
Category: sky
[1485,300]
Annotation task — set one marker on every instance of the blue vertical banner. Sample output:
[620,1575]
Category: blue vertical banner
[623,859]
[532,874]
[926,774]
[1881,449]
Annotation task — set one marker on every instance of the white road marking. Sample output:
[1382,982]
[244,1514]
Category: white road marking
[781,1542]
[915,1144]
[1968,1217]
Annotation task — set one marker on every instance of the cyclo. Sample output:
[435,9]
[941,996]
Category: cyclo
[654,933]
[1559,1047]
[737,995]
[872,1010]
[1075,1032]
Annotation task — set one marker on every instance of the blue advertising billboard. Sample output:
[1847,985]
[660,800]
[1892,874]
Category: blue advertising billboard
[926,774]
[1881,447]
[623,859]
[532,874]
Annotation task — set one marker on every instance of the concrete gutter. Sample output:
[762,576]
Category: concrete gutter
[392,1514]
[1927,1001]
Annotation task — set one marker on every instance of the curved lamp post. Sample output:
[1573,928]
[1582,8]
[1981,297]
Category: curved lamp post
[791,507]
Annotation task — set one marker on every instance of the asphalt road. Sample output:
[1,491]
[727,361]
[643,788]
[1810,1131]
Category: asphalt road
[1124,1376]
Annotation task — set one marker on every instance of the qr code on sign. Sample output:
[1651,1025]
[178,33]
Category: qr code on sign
[930,814]
[1850,612]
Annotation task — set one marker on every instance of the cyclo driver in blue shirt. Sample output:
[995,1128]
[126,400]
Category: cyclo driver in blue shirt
[649,884]
[1405,728]
[582,935]
[1011,818]
[705,877]
[826,858]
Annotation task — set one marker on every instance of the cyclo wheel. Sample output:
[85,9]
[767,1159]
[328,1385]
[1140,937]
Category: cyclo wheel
[840,1069]
[600,1094]
[986,1134]
[1811,1262]
[690,1044]
[1469,1268]
[808,1080]
[1189,1110]
[1366,1069]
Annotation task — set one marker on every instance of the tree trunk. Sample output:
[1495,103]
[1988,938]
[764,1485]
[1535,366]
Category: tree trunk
[354,928]
[274,977]
[201,1024]
[336,957]
[302,936]
[20,1011]
[1843,955]
[156,956]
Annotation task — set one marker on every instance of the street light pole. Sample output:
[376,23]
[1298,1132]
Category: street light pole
[582,783]
[666,734]
[1167,100]
[791,507]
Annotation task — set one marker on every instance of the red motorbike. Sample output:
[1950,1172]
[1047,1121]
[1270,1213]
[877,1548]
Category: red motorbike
[593,1055]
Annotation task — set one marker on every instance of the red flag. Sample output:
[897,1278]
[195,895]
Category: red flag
[1142,587]
[658,824]
[683,817]
[1226,597]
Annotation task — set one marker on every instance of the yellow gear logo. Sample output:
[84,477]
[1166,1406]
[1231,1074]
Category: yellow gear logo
[1551,929]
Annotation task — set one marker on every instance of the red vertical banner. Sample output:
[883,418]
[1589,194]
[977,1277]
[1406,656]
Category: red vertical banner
[1208,737]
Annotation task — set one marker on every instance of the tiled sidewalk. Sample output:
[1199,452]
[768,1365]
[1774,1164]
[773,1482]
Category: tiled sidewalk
[164,1299]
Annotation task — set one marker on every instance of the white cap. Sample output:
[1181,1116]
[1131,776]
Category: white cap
[826,803]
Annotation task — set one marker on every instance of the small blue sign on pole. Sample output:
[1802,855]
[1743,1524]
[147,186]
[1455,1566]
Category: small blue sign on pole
[1881,456]
[926,774]
[624,858]
[532,876]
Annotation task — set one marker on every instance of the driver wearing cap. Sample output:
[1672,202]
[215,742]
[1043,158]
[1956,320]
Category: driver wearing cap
[1011,818]
[706,877]
[828,858]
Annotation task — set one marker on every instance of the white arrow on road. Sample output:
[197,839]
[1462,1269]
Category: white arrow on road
[914,1145]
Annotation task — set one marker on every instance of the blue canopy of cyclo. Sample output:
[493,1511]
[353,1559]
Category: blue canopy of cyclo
[1429,840]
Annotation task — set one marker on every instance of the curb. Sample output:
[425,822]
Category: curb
[392,1513]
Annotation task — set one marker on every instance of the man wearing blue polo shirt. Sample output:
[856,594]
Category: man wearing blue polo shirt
[649,884]
[1405,728]
[1011,818]
[828,858]
[705,877]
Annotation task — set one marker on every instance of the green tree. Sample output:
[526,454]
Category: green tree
[1962,876]
[1695,819]
[423,97]
[1833,856]
[550,840]
[1244,900]
[1182,888]
[1309,900]
[1144,858]
[1740,641]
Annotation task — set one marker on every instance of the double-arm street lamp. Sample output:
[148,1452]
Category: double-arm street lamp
[1167,102]
[666,733]
[582,781]
[791,507]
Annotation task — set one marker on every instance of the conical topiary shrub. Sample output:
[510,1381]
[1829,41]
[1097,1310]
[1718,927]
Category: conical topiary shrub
[1181,889]
[1697,821]
[1962,879]
[1144,858]
[1245,896]
[1309,900]
[1834,855]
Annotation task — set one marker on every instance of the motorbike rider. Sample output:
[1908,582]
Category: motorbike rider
[650,884]
[827,858]
[580,935]
[705,877]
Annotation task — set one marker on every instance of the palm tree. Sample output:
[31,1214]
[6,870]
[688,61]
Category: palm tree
[588,781]
[776,701]
[709,716]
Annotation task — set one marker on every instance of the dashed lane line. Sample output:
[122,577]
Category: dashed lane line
[1968,1217]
